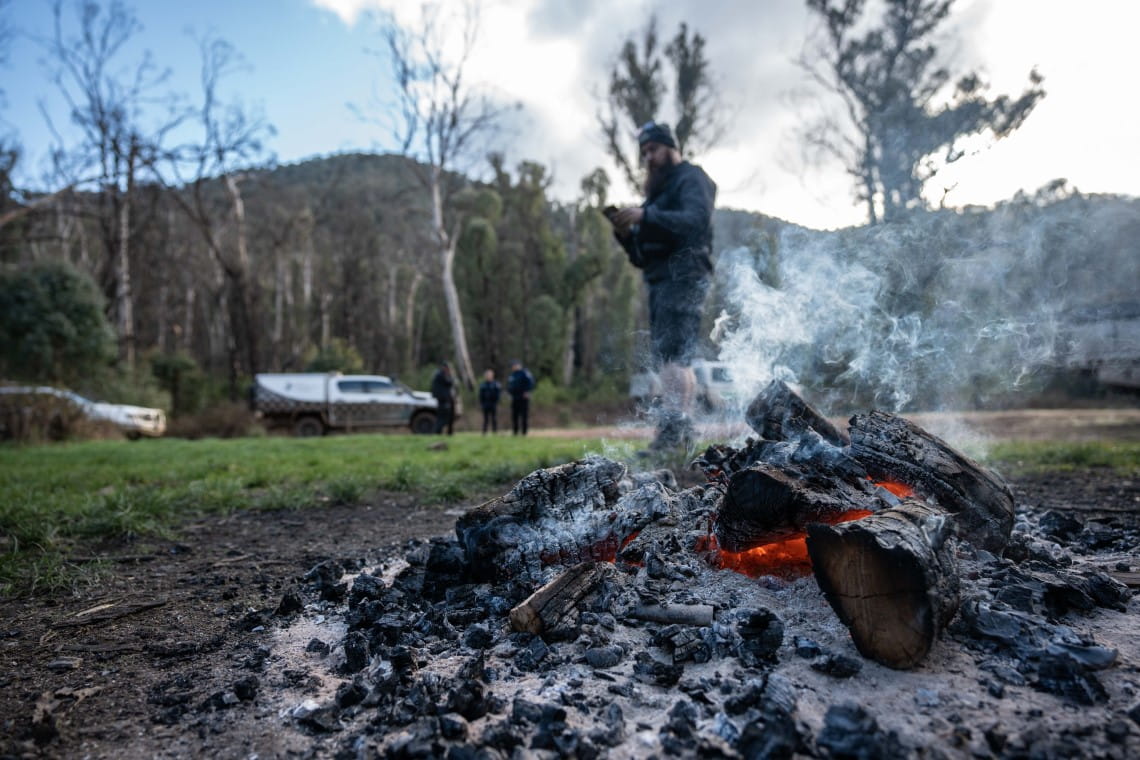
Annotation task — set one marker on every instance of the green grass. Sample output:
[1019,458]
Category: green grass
[1028,457]
[57,496]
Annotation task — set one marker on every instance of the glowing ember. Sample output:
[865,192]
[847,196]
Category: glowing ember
[605,550]
[900,490]
[787,557]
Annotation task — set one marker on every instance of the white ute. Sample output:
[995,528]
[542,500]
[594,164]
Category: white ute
[313,402]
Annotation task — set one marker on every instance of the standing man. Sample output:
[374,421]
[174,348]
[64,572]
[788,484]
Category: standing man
[669,237]
[519,385]
[443,390]
[489,393]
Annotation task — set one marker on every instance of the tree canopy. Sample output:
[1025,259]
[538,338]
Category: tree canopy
[903,116]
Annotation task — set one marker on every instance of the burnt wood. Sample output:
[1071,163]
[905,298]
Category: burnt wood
[558,600]
[679,614]
[891,578]
[766,503]
[892,448]
[779,414]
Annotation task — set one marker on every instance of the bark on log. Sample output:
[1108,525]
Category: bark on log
[556,601]
[891,578]
[891,448]
[779,414]
[765,503]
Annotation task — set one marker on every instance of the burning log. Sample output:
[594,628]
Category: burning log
[543,610]
[779,414]
[891,578]
[891,448]
[766,503]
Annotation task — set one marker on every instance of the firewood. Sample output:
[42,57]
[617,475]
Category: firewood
[680,614]
[779,414]
[766,503]
[543,610]
[891,448]
[891,578]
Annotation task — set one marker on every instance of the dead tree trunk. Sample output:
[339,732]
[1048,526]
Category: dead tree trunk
[891,578]
[891,448]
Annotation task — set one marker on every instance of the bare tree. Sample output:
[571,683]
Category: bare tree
[231,141]
[638,90]
[902,119]
[443,122]
[120,135]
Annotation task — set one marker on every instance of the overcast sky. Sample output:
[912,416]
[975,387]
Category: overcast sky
[309,59]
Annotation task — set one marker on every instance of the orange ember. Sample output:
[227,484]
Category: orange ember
[787,557]
[605,550]
[901,490]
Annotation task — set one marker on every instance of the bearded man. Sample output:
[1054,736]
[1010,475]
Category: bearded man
[669,237]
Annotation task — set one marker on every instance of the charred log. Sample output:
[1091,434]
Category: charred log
[779,414]
[891,448]
[891,578]
[558,600]
[765,503]
[675,614]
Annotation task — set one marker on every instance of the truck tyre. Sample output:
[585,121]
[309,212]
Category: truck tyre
[308,427]
[423,423]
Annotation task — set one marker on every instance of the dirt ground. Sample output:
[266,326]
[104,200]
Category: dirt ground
[166,655]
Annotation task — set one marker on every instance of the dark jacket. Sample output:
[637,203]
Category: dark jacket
[674,239]
[520,383]
[443,388]
[489,393]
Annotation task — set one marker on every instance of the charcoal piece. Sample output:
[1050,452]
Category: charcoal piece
[469,700]
[324,579]
[682,720]
[351,693]
[318,647]
[995,689]
[1108,592]
[605,656]
[849,731]
[1060,674]
[445,568]
[502,736]
[1089,656]
[532,654]
[750,696]
[772,735]
[1059,525]
[478,636]
[356,652]
[761,632]
[525,711]
[453,726]
[1116,731]
[806,648]
[612,731]
[290,602]
[837,665]
[245,688]
[647,669]
[1134,713]
[366,587]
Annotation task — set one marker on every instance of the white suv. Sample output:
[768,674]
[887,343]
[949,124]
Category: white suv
[134,421]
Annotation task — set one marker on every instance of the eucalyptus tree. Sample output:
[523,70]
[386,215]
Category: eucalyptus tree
[443,122]
[904,116]
[639,90]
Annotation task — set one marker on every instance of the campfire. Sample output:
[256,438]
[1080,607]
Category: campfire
[592,610]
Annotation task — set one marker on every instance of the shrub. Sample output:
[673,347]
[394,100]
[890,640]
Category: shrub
[224,420]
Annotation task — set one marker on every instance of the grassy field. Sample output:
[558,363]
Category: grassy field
[55,497]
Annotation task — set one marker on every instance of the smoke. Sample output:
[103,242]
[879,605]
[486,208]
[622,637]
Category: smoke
[947,310]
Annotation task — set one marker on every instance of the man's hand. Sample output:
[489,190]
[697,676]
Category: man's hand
[627,217]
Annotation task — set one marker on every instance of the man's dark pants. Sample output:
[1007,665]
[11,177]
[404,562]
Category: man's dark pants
[445,418]
[520,409]
[490,417]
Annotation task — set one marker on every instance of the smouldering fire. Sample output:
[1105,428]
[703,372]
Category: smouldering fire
[605,550]
[786,557]
[901,490]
